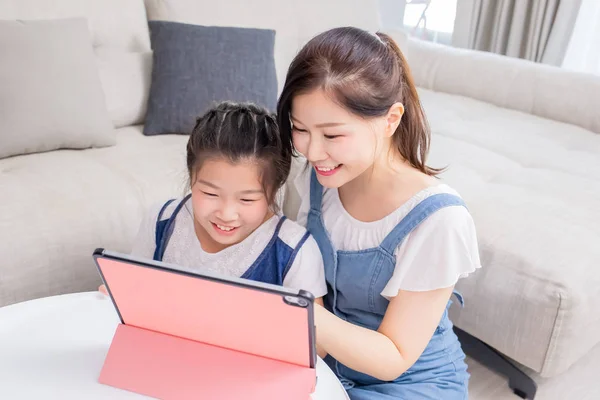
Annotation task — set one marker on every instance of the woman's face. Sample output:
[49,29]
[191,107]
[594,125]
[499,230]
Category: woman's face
[339,145]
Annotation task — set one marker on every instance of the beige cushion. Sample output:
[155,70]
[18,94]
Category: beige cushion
[57,207]
[517,84]
[294,22]
[120,37]
[126,80]
[533,186]
[51,93]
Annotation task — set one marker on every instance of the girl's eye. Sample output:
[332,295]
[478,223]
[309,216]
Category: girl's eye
[296,129]
[248,200]
[210,194]
[332,136]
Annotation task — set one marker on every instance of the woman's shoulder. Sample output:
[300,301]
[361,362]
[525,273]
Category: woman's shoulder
[450,230]
[450,214]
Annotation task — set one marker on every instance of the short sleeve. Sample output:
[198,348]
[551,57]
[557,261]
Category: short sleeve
[302,185]
[440,251]
[307,271]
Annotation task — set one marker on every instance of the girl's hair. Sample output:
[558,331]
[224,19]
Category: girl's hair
[366,74]
[241,131]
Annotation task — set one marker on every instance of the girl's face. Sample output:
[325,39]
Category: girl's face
[338,144]
[229,202]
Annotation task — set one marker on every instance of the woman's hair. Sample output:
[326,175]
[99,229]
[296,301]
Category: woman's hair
[237,132]
[366,74]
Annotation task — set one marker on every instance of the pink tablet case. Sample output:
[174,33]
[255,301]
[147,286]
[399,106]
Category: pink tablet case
[192,338]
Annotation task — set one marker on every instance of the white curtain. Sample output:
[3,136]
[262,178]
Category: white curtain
[583,51]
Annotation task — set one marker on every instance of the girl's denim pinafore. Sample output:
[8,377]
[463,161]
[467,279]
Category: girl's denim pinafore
[271,266]
[355,280]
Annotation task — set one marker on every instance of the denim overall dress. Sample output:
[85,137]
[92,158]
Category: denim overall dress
[271,266]
[355,280]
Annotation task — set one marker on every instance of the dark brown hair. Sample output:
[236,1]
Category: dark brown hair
[241,131]
[366,74]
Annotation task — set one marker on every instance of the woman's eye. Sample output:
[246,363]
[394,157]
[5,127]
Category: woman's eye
[296,129]
[248,200]
[210,194]
[332,136]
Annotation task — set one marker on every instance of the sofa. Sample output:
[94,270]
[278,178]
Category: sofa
[521,142]
[56,207]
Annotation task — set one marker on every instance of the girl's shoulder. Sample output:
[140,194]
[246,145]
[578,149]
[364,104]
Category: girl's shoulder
[292,233]
[164,209]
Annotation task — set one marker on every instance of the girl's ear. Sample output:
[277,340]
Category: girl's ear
[393,118]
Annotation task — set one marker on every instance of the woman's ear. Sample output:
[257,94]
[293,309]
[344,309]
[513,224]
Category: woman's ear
[393,118]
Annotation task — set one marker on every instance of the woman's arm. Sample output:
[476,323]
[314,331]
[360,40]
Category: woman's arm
[320,351]
[407,327]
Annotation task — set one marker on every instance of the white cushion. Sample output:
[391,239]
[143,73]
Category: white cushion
[119,28]
[126,81]
[517,84]
[51,94]
[316,16]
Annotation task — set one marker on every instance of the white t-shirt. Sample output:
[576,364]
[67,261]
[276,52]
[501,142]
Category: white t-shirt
[184,249]
[438,252]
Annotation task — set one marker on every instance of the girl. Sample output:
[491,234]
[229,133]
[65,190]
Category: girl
[229,223]
[394,239]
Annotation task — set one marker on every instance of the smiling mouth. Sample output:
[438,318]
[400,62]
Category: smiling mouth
[224,229]
[326,171]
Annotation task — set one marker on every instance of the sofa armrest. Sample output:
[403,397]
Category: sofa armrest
[537,89]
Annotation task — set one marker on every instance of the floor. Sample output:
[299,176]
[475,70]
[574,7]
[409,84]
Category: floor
[580,382]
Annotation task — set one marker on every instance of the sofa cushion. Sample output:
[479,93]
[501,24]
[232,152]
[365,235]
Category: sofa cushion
[120,38]
[533,186]
[57,207]
[293,21]
[51,92]
[534,88]
[196,66]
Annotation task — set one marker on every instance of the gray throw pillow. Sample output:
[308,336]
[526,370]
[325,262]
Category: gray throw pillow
[196,66]
[51,96]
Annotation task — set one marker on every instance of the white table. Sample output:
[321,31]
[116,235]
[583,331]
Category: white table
[54,348]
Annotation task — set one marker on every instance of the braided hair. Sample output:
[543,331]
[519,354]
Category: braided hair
[238,132]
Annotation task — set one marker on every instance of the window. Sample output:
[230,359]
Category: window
[430,19]
[583,51]
[427,19]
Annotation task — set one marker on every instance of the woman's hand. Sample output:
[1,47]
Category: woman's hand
[318,309]
[102,289]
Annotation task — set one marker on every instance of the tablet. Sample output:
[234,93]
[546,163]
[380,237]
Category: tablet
[246,316]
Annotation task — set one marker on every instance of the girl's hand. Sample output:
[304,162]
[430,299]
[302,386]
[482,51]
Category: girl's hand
[102,289]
